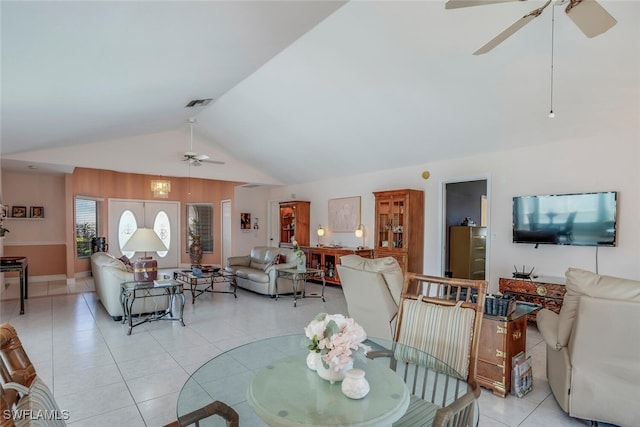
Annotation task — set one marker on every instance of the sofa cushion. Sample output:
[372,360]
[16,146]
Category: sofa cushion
[387,266]
[581,282]
[252,274]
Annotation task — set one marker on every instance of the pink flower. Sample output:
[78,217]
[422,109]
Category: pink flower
[337,338]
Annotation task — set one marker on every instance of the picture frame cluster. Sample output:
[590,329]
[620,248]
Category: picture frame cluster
[23,212]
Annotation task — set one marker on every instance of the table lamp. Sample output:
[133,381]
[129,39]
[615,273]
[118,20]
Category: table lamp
[145,269]
[360,233]
[320,232]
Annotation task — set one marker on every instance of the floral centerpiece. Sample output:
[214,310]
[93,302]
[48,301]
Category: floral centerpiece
[301,259]
[336,339]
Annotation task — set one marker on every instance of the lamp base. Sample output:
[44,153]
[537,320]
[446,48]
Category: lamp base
[145,269]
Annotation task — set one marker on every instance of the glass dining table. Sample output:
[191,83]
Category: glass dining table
[268,383]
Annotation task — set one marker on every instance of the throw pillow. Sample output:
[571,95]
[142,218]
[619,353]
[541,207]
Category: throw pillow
[279,259]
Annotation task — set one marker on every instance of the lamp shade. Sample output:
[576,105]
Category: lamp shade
[144,240]
[145,269]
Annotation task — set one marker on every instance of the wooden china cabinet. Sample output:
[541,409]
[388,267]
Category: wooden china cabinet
[294,221]
[399,227]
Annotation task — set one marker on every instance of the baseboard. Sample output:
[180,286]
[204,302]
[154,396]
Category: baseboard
[33,279]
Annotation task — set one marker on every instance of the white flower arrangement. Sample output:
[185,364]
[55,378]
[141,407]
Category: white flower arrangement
[336,338]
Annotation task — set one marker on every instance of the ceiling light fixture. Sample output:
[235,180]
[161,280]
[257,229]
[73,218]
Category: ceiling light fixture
[160,188]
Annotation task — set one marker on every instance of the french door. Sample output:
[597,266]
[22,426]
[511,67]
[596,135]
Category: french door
[125,216]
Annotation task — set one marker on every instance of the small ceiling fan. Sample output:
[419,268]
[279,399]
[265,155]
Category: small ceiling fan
[591,18]
[194,158]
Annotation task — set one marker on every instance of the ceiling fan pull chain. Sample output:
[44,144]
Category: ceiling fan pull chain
[553,21]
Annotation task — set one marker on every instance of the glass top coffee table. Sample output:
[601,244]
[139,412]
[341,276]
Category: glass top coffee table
[195,282]
[267,382]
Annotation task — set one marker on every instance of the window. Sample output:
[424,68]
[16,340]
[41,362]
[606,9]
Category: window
[200,222]
[86,225]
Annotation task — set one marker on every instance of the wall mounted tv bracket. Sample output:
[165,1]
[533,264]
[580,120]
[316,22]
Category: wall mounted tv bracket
[523,274]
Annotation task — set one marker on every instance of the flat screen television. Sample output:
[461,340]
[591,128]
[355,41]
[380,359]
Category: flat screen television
[584,219]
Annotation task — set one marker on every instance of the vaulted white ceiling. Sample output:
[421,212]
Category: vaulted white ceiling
[302,89]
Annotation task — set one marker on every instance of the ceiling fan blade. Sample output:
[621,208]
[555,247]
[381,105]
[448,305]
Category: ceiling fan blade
[215,162]
[455,4]
[201,157]
[196,162]
[505,34]
[590,17]
[512,29]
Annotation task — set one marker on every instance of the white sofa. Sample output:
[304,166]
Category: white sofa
[593,348]
[257,271]
[108,273]
[372,289]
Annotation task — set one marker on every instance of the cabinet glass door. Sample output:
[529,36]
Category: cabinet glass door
[397,224]
[383,223]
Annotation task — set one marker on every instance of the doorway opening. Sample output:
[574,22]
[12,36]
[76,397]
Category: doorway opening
[466,219]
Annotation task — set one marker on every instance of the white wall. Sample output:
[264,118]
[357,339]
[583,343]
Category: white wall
[597,164]
[255,202]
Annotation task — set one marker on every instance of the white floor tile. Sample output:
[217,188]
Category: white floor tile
[104,377]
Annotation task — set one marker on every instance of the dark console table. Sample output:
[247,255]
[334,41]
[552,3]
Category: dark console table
[547,292]
[18,263]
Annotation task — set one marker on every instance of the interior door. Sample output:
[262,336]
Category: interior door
[125,216]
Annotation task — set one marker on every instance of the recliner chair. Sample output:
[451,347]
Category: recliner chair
[593,348]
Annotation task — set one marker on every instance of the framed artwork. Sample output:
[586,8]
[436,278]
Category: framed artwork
[344,214]
[37,212]
[245,221]
[19,211]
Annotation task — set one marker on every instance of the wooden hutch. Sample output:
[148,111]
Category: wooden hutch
[327,258]
[294,221]
[399,227]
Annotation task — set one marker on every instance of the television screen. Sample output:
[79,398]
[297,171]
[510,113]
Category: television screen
[586,219]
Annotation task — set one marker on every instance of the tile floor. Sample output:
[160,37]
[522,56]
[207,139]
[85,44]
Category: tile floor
[105,378]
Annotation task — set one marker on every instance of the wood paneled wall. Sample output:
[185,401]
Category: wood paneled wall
[109,184]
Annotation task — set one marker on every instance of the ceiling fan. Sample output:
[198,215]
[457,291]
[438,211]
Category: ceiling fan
[591,18]
[194,158]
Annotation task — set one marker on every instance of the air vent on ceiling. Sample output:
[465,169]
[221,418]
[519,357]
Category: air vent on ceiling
[198,102]
[250,185]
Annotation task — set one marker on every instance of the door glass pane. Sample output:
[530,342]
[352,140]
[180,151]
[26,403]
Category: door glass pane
[126,227]
[162,227]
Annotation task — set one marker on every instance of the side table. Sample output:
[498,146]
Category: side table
[129,291]
[208,279]
[501,338]
[302,276]
[18,263]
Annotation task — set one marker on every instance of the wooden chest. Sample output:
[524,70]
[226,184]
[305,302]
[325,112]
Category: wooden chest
[547,293]
[499,342]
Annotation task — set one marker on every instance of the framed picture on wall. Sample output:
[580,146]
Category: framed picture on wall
[37,212]
[344,214]
[245,221]
[19,211]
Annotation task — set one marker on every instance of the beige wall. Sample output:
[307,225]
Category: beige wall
[49,243]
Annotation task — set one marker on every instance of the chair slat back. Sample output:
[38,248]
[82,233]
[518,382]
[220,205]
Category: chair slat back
[442,316]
